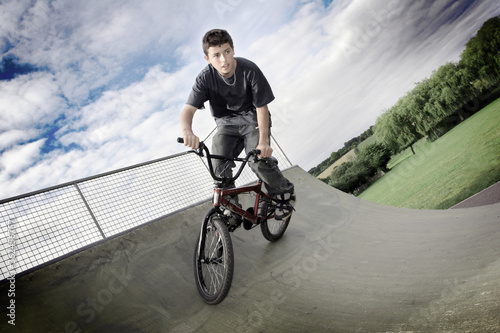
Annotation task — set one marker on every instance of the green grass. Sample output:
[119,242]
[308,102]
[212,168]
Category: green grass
[407,153]
[461,163]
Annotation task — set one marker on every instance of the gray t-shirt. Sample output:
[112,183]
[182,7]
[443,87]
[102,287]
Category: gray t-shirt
[233,101]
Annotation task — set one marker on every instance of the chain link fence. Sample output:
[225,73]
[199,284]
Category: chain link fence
[48,225]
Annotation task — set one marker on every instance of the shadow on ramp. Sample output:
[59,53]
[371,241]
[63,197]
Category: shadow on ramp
[344,265]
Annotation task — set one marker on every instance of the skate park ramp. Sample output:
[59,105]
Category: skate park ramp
[343,265]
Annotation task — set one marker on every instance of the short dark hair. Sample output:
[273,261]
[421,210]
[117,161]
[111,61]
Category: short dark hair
[216,37]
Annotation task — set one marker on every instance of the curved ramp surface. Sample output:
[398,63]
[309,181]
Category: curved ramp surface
[344,265]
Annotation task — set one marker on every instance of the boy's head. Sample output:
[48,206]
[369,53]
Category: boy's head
[216,37]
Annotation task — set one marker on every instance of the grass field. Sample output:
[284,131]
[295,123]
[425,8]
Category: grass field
[461,163]
[351,155]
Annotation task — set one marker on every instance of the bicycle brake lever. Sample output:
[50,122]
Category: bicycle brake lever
[255,154]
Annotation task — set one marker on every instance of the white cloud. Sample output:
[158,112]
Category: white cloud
[28,99]
[15,161]
[333,71]
[118,112]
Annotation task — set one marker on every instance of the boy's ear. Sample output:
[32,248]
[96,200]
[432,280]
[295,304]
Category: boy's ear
[206,58]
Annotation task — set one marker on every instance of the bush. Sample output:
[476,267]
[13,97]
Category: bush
[376,155]
[351,175]
[340,170]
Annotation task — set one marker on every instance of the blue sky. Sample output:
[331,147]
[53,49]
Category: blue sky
[91,86]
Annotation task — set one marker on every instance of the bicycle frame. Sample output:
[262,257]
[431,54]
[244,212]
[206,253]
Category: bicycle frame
[220,199]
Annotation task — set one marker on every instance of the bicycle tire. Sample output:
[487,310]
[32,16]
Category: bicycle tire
[214,268]
[273,229]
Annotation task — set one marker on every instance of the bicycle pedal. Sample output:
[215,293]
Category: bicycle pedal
[246,223]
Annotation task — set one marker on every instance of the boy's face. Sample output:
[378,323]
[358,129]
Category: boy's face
[222,58]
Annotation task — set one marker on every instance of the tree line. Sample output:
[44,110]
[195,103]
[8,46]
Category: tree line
[336,155]
[435,105]
[452,93]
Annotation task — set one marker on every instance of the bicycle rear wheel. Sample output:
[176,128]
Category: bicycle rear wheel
[273,229]
[214,263]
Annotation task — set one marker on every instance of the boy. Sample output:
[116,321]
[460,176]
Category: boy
[238,93]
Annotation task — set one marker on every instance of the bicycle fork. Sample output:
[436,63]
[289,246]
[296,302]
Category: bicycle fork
[203,229]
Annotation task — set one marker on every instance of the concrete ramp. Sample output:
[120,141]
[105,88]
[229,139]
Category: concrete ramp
[344,265]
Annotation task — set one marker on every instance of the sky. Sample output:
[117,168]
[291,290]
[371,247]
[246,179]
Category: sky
[92,86]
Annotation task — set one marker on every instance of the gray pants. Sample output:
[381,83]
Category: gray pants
[230,141]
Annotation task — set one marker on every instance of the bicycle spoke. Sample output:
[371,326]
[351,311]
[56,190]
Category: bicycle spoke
[216,275]
[216,279]
[214,265]
[212,248]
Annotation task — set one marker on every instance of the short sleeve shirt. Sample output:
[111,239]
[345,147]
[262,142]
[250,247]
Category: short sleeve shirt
[235,102]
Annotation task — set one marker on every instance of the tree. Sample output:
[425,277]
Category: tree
[376,156]
[424,108]
[482,56]
[386,130]
[396,128]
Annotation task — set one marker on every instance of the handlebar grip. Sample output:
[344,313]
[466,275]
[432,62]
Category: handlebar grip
[180,140]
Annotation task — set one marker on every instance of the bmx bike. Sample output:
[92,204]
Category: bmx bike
[214,256]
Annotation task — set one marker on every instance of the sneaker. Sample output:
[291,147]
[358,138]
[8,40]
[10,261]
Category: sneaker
[233,219]
[284,206]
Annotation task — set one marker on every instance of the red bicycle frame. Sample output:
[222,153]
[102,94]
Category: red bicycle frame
[221,199]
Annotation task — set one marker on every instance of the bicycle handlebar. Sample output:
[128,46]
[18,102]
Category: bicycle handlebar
[203,148]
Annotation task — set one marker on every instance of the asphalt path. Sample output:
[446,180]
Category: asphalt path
[489,196]
[343,265]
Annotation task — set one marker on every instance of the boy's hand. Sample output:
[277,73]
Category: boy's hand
[191,140]
[265,150]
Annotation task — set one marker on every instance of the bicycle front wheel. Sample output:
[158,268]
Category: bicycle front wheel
[214,262]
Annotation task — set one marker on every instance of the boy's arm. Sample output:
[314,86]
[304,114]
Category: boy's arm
[263,126]
[190,139]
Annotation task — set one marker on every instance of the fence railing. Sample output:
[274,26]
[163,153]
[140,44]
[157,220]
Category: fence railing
[47,225]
